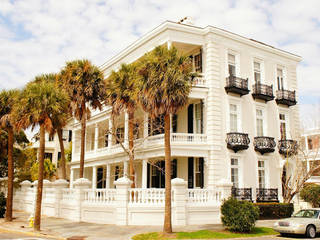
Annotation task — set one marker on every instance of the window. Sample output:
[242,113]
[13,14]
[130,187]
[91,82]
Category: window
[198,63]
[174,123]
[70,136]
[48,156]
[59,158]
[198,172]
[259,122]
[51,137]
[257,72]
[119,135]
[199,117]
[235,172]
[280,82]
[118,172]
[283,130]
[156,125]
[232,64]
[233,118]
[261,174]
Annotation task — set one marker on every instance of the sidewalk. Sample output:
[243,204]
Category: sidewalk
[58,228]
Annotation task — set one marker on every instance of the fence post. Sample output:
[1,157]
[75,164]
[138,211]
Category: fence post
[225,189]
[179,188]
[20,196]
[58,186]
[122,198]
[80,185]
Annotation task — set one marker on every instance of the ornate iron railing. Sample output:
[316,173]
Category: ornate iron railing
[288,147]
[262,91]
[264,144]
[267,195]
[286,97]
[237,85]
[237,141]
[242,193]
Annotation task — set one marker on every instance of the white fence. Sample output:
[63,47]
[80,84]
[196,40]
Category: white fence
[124,205]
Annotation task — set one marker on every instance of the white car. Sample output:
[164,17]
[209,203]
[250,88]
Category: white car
[306,221]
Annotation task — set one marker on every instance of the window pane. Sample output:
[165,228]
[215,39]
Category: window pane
[256,66]
[234,161]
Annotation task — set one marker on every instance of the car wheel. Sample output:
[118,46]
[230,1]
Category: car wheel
[311,232]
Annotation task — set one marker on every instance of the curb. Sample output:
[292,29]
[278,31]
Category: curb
[34,234]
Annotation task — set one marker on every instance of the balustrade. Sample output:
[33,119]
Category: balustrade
[262,91]
[242,193]
[237,141]
[68,195]
[203,196]
[148,196]
[264,144]
[286,97]
[237,85]
[267,195]
[199,81]
[100,196]
[288,147]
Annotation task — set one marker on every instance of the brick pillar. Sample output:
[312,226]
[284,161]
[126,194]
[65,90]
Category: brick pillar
[80,185]
[179,187]
[122,198]
[58,186]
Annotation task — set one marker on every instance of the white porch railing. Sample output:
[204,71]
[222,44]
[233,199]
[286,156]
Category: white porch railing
[100,196]
[183,138]
[68,195]
[203,196]
[148,196]
[199,81]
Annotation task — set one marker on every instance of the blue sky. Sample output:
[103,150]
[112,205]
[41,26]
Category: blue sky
[38,36]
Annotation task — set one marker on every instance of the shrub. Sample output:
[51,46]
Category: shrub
[48,171]
[239,216]
[2,204]
[274,210]
[311,194]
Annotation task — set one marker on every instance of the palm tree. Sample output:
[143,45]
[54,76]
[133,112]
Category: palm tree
[85,85]
[39,101]
[166,84]
[122,94]
[7,101]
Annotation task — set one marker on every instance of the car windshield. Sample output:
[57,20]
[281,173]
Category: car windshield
[307,214]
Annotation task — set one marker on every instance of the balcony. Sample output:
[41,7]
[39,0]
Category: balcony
[237,141]
[199,81]
[264,144]
[242,193]
[286,97]
[262,91]
[267,195]
[288,147]
[237,85]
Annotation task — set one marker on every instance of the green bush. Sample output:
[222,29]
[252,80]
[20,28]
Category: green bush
[239,216]
[2,204]
[274,210]
[311,194]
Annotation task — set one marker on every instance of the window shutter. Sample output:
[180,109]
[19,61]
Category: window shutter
[190,172]
[201,162]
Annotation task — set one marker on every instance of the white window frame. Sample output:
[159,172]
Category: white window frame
[287,121]
[235,101]
[264,118]
[195,127]
[284,74]
[266,172]
[194,170]
[262,70]
[237,62]
[240,169]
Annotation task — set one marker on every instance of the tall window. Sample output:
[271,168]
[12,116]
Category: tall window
[120,135]
[261,174]
[257,72]
[280,82]
[51,137]
[283,130]
[199,117]
[232,64]
[235,172]
[198,63]
[233,118]
[198,172]
[174,123]
[259,122]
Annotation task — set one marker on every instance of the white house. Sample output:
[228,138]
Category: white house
[241,120]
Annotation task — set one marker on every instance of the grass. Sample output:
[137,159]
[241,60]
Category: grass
[206,234]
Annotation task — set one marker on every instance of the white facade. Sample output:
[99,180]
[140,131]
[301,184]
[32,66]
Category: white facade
[202,136]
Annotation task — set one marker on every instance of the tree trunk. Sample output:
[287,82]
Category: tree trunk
[10,175]
[131,150]
[63,157]
[83,139]
[37,215]
[167,227]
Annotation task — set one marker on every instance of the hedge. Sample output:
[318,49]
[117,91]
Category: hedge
[274,210]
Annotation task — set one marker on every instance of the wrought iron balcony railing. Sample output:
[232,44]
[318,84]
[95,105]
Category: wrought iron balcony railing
[288,147]
[237,141]
[267,195]
[237,85]
[242,193]
[264,144]
[262,91]
[286,97]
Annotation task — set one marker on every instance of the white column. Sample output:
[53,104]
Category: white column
[71,177]
[126,128]
[108,167]
[306,142]
[94,177]
[171,123]
[179,187]
[96,134]
[145,125]
[125,168]
[144,173]
[74,142]
[110,137]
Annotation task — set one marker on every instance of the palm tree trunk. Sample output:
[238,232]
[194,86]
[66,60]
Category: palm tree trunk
[10,175]
[37,215]
[131,150]
[167,226]
[63,157]
[83,139]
